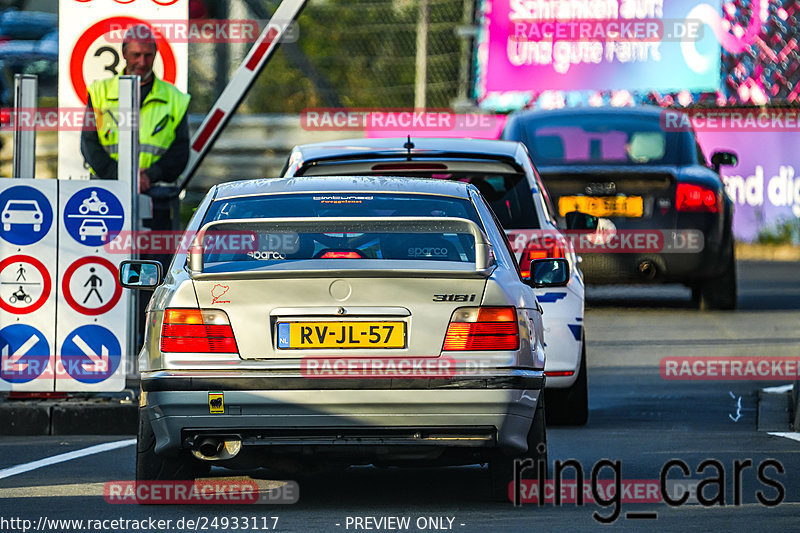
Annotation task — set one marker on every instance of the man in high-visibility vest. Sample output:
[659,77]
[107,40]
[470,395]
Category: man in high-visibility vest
[163,124]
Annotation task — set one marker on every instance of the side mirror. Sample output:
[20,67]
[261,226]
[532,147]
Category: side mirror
[581,221]
[720,159]
[140,274]
[549,273]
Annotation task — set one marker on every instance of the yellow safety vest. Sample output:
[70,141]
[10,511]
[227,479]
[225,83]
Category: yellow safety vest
[161,112]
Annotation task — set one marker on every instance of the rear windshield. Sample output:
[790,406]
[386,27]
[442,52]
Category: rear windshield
[507,194]
[601,140]
[361,240]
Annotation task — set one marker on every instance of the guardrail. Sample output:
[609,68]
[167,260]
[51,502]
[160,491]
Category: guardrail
[252,145]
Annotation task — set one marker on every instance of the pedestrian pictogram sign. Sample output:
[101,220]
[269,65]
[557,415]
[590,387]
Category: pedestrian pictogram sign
[26,215]
[94,216]
[90,286]
[25,284]
[24,353]
[90,354]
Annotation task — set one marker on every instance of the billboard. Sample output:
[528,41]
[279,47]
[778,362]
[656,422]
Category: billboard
[529,46]
[765,185]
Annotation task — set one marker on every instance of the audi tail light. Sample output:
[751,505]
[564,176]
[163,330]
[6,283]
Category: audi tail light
[482,328]
[197,330]
[696,199]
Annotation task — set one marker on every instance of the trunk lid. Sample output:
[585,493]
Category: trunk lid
[632,197]
[337,310]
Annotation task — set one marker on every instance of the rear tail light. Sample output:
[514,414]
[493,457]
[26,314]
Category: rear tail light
[549,248]
[560,373]
[482,328]
[696,198]
[197,330]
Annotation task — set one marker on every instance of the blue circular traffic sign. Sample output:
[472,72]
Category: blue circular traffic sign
[24,353]
[91,354]
[94,216]
[25,215]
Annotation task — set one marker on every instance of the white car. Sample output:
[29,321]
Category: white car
[507,178]
[22,212]
[93,227]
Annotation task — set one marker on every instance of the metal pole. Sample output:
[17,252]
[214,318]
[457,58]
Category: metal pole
[128,170]
[422,57]
[467,32]
[26,89]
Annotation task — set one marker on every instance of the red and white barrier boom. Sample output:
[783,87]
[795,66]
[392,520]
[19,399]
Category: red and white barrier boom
[240,85]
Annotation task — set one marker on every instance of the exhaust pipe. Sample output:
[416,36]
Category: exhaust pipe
[648,270]
[210,447]
[219,448]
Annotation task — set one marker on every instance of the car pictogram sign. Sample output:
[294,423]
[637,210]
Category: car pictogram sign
[93,216]
[26,215]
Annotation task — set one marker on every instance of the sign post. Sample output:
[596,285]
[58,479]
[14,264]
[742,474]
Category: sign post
[129,98]
[26,90]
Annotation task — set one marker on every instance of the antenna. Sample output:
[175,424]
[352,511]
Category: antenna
[409,146]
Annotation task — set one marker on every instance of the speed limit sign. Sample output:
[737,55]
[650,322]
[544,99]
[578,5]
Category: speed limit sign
[90,49]
[94,57]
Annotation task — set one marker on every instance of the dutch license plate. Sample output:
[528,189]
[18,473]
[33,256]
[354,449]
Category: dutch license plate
[307,335]
[605,206]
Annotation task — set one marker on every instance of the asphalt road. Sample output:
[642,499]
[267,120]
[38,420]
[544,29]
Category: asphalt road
[637,418]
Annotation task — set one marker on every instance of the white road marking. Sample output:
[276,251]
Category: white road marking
[787,435]
[64,457]
[738,408]
[779,389]
[54,491]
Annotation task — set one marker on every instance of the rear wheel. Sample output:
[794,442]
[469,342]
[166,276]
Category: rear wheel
[153,467]
[570,406]
[718,293]
[501,466]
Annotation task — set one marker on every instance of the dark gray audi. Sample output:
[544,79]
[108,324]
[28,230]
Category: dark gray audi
[633,173]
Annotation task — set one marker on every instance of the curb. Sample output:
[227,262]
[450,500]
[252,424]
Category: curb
[23,418]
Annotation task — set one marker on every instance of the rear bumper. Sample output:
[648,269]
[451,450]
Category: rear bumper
[675,268]
[178,405]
